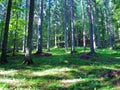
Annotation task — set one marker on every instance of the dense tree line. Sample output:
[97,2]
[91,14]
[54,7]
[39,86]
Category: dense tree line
[36,24]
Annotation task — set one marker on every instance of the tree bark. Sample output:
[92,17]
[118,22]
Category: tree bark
[109,26]
[96,24]
[91,26]
[15,35]
[83,21]
[40,25]
[48,42]
[28,54]
[4,43]
[72,27]
[65,27]
[103,28]
[25,29]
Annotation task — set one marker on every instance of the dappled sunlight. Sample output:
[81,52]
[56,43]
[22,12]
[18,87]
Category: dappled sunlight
[68,82]
[80,80]
[88,67]
[116,88]
[108,67]
[13,82]
[51,71]
[9,73]
[60,72]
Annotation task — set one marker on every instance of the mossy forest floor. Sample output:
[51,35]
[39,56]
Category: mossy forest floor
[62,71]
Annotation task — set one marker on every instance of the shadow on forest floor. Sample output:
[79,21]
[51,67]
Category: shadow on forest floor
[62,71]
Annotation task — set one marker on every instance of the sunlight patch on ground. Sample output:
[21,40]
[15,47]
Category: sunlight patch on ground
[51,71]
[97,67]
[10,72]
[73,81]
[68,82]
[13,82]
[116,88]
[89,67]
[110,68]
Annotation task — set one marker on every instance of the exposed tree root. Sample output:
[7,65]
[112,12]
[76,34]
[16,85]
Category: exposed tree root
[91,53]
[3,61]
[85,56]
[43,54]
[28,62]
[111,74]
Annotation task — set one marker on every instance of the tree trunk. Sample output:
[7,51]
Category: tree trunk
[91,26]
[25,29]
[109,23]
[72,27]
[4,43]
[55,37]
[40,25]
[96,24]
[28,54]
[48,42]
[15,35]
[83,21]
[77,37]
[103,28]
[65,27]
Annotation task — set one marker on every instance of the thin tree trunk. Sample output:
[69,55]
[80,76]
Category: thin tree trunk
[114,42]
[25,29]
[72,27]
[103,28]
[83,21]
[48,42]
[15,35]
[14,41]
[107,31]
[65,27]
[4,43]
[77,37]
[55,37]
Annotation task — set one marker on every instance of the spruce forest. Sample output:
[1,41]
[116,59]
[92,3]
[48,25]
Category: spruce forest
[59,44]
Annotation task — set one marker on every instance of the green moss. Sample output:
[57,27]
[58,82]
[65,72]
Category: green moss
[61,71]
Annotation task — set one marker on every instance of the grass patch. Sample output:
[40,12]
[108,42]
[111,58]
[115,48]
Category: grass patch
[62,71]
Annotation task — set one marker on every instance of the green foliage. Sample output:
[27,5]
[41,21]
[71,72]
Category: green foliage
[14,7]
